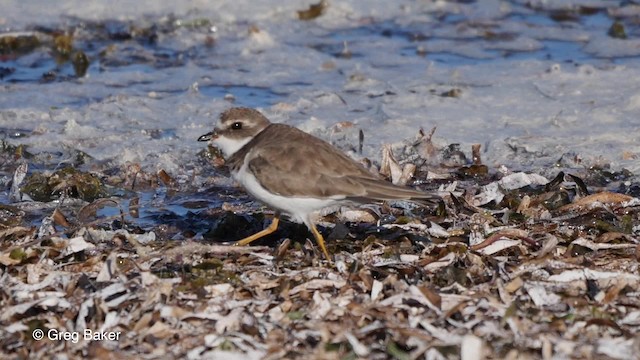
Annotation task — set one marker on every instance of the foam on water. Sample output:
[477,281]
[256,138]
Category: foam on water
[548,86]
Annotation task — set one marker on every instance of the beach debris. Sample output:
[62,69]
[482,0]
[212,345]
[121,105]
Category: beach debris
[314,11]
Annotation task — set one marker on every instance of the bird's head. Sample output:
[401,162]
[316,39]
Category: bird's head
[235,128]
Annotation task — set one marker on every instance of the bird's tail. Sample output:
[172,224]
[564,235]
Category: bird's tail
[382,190]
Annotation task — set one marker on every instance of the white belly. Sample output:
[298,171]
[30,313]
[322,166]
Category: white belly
[298,208]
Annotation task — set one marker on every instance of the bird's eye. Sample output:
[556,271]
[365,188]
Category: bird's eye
[236,125]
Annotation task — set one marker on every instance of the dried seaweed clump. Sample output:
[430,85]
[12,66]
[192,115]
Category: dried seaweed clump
[70,181]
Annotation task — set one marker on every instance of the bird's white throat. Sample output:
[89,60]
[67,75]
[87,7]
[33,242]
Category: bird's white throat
[229,146]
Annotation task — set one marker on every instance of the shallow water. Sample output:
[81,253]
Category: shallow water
[541,86]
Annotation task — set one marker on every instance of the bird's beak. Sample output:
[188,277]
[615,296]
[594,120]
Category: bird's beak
[208,136]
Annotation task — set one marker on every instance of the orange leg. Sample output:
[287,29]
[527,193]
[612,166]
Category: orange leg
[319,240]
[249,239]
[274,226]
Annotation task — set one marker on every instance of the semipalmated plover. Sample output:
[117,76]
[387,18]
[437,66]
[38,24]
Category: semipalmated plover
[294,172]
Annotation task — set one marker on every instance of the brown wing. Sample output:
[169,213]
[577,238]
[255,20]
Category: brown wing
[291,162]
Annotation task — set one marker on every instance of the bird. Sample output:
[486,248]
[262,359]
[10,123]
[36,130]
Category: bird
[296,173]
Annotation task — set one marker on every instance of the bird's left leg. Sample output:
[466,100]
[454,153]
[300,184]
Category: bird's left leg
[318,237]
